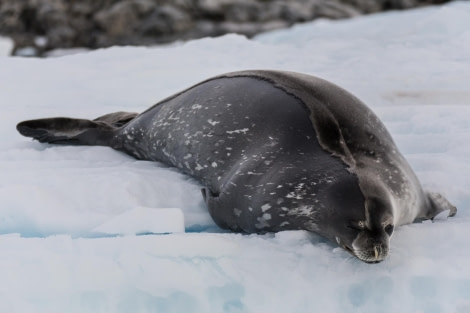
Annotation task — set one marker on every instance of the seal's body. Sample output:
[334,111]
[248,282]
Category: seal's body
[275,151]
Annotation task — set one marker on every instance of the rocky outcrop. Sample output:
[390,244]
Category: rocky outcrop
[42,25]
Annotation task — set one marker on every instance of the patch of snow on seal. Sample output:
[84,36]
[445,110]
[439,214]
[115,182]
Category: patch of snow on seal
[238,131]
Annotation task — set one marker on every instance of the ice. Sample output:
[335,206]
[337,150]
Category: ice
[143,220]
[81,229]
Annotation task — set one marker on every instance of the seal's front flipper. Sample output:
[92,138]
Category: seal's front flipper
[212,201]
[437,204]
[210,198]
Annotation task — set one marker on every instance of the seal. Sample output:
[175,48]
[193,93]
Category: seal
[274,151]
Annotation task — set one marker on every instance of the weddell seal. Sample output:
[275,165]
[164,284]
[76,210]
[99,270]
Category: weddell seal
[274,151]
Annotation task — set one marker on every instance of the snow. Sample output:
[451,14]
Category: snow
[64,52]
[88,229]
[144,221]
[6,46]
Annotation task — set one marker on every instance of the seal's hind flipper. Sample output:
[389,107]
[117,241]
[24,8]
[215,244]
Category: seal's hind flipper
[67,131]
[61,130]
[117,119]
[72,131]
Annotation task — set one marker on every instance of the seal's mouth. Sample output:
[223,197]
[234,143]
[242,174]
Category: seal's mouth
[374,256]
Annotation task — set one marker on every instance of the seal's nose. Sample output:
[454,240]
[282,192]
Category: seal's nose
[379,253]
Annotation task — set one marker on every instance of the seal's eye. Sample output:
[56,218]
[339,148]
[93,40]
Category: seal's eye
[389,229]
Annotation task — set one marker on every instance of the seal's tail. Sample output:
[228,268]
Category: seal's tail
[70,131]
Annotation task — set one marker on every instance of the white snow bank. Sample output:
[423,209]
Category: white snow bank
[6,46]
[410,67]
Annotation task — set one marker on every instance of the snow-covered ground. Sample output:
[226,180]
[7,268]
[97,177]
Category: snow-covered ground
[75,221]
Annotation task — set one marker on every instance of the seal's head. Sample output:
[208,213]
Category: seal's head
[360,225]
[369,239]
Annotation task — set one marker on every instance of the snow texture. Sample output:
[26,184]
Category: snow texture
[6,46]
[71,237]
[142,220]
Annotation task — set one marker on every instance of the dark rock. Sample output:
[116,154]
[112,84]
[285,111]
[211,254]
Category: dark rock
[366,6]
[38,26]
[242,11]
[118,21]
[334,10]
[61,36]
[165,20]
